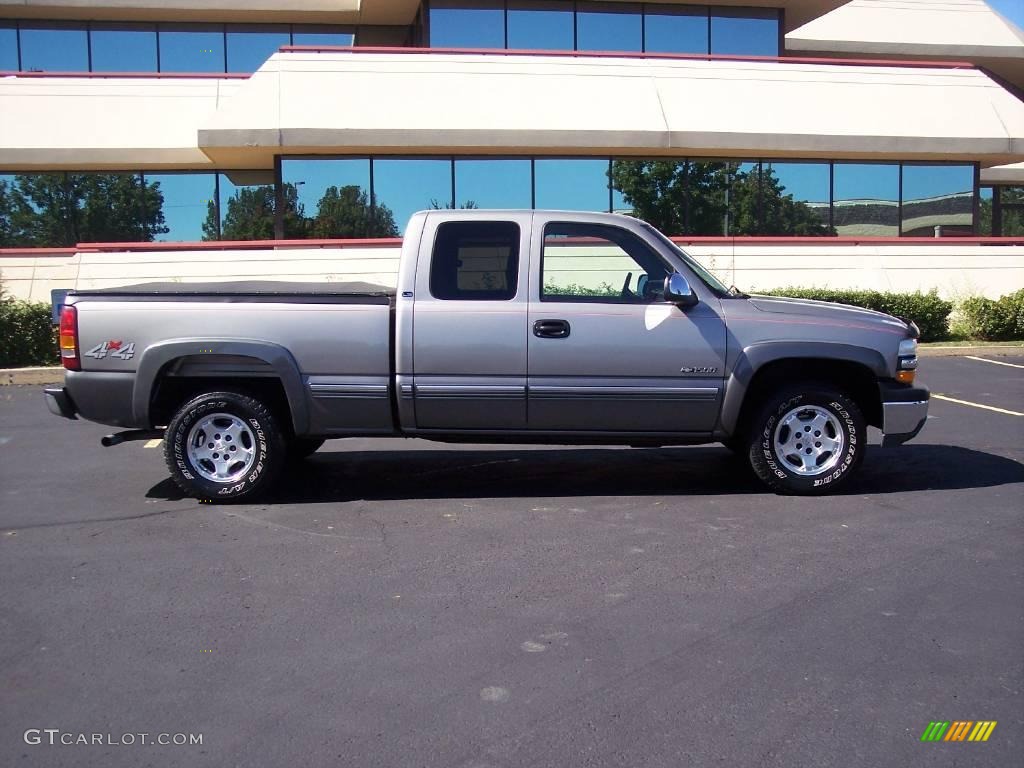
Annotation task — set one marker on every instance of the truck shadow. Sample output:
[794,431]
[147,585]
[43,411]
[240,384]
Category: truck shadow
[558,472]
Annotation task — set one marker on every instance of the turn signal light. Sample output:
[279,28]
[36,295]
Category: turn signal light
[905,377]
[69,339]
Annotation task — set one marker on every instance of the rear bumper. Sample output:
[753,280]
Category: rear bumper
[904,411]
[60,403]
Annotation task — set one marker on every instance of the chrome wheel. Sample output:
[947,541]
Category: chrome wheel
[809,440]
[221,447]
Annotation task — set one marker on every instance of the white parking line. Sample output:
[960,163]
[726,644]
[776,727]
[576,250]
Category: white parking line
[152,444]
[976,405]
[994,362]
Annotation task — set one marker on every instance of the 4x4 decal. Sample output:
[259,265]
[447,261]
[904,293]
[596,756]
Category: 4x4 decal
[124,350]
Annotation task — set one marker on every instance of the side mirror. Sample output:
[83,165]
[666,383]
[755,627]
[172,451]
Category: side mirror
[678,291]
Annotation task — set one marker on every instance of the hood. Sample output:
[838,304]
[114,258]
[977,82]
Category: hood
[826,310]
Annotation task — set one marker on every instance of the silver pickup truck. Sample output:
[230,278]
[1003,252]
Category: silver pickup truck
[506,326]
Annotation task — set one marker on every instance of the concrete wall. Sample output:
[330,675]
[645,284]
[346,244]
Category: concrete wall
[955,270]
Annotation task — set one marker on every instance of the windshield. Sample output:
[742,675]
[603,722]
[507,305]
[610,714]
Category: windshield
[709,279]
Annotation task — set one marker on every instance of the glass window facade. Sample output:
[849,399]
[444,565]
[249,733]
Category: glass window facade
[604,26]
[364,197]
[456,24]
[609,27]
[8,48]
[676,30]
[124,48]
[1001,212]
[165,47]
[937,200]
[53,48]
[540,26]
[866,199]
[745,31]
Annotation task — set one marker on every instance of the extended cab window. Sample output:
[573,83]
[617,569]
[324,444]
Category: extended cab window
[475,261]
[599,263]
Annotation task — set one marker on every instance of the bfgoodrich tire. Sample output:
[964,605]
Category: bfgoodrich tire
[224,446]
[807,440]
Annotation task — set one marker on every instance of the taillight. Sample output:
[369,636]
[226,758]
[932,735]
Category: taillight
[69,339]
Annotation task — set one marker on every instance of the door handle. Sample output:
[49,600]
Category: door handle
[551,329]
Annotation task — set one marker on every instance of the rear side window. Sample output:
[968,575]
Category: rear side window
[475,261]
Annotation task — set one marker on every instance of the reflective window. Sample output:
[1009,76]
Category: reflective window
[459,25]
[744,204]
[332,197]
[54,48]
[745,31]
[1011,204]
[866,199]
[706,189]
[985,224]
[250,46]
[608,27]
[539,25]
[124,48]
[492,183]
[8,49]
[599,263]
[795,199]
[676,30]
[191,49]
[475,261]
[571,185]
[246,212]
[653,190]
[188,204]
[938,200]
[404,186]
[314,35]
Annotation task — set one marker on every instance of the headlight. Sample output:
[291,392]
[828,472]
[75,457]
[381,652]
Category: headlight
[906,365]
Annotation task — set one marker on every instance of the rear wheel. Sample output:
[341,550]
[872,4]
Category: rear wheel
[807,440]
[224,446]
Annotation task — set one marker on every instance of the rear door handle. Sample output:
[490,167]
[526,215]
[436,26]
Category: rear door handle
[551,329]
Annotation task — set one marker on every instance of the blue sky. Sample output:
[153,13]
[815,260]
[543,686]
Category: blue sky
[1010,9]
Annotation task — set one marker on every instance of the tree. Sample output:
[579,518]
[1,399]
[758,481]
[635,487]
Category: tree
[437,205]
[706,198]
[250,215]
[346,212]
[60,210]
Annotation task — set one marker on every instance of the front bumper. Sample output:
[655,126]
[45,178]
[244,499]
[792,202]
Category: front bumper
[60,403]
[904,411]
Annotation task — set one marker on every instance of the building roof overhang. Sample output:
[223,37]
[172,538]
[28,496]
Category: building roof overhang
[402,101]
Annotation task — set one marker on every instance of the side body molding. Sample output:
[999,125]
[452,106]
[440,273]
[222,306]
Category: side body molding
[756,356]
[280,359]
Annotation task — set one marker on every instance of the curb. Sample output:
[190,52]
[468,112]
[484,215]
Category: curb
[923,350]
[22,376]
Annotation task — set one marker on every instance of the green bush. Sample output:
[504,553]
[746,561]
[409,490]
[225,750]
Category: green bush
[27,335]
[988,320]
[930,312]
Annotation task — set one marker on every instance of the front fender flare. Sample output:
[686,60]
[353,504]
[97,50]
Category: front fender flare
[156,357]
[756,356]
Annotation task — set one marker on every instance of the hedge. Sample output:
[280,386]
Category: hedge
[988,320]
[27,334]
[926,309]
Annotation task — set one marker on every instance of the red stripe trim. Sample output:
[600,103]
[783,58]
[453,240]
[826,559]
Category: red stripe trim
[632,55]
[393,242]
[135,75]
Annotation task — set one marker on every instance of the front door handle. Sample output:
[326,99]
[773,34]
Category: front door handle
[551,329]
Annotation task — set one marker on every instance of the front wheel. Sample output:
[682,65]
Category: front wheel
[224,446]
[807,440]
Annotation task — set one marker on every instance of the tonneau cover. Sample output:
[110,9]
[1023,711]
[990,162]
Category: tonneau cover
[243,288]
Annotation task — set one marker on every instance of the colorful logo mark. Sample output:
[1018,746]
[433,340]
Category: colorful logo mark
[958,730]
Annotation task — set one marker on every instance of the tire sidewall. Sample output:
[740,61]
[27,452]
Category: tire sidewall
[850,420]
[259,420]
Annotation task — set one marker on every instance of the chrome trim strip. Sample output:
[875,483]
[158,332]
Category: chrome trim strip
[349,391]
[647,394]
[469,392]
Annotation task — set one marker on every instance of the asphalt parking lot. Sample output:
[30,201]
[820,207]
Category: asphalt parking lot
[412,604]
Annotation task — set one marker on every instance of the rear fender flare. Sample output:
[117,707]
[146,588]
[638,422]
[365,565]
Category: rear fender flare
[156,357]
[756,356]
